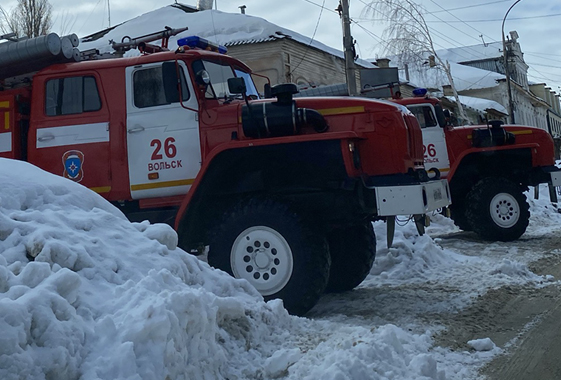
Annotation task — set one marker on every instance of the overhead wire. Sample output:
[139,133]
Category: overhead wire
[509,19]
[473,6]
[312,39]
[441,35]
[453,15]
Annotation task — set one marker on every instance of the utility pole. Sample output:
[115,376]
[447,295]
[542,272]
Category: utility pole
[507,74]
[348,47]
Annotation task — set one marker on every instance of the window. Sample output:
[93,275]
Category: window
[157,86]
[219,75]
[69,96]
[424,115]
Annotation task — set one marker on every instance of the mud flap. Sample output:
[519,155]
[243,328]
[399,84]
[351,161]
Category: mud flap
[421,221]
[390,225]
[552,193]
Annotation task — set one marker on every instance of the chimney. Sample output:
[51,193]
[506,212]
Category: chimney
[242,8]
[204,5]
[383,62]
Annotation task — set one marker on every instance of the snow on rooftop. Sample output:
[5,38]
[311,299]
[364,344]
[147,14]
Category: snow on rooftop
[472,53]
[480,104]
[465,77]
[216,26]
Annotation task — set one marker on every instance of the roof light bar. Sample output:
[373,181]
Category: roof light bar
[201,43]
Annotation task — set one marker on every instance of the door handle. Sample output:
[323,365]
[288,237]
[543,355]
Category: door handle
[46,138]
[137,128]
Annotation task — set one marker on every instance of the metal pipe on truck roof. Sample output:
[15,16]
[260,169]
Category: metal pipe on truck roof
[66,48]
[20,52]
[73,38]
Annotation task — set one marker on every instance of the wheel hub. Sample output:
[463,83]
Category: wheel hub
[505,210]
[262,260]
[262,256]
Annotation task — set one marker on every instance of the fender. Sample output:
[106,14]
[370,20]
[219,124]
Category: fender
[458,161]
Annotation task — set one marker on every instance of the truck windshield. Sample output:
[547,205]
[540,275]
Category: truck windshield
[219,74]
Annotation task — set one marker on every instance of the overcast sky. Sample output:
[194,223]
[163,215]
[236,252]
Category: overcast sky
[455,23]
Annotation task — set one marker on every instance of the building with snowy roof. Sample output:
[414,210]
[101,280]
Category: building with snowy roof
[280,54]
[479,72]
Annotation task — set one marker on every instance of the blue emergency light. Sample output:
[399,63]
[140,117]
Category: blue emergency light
[201,43]
[419,92]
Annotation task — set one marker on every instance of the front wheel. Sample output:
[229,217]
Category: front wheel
[497,209]
[276,250]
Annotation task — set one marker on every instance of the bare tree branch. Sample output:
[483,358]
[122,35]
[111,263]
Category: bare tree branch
[408,36]
[8,22]
[31,18]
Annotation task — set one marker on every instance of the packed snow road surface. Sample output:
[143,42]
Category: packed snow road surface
[86,294]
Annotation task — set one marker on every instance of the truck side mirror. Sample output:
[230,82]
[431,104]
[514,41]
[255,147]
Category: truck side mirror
[169,76]
[236,85]
[267,91]
[443,116]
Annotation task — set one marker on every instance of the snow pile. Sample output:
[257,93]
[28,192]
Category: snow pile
[544,216]
[420,259]
[107,299]
[388,352]
[484,344]
[86,294]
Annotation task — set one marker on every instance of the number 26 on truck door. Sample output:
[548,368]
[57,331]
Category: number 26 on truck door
[169,148]
[430,149]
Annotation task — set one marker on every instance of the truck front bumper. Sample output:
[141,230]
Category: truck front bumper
[411,199]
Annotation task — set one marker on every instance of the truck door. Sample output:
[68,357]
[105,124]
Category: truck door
[163,144]
[434,140]
[69,134]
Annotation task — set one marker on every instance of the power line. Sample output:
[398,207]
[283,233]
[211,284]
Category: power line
[453,15]
[543,55]
[312,39]
[539,64]
[473,6]
[442,36]
[322,6]
[500,19]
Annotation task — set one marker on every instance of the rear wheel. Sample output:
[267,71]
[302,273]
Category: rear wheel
[498,209]
[280,253]
[352,252]
[458,215]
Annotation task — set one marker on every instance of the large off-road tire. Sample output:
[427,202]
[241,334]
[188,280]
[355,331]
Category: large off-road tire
[352,253]
[458,215]
[497,209]
[278,251]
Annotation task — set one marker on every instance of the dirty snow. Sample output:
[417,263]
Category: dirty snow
[107,299]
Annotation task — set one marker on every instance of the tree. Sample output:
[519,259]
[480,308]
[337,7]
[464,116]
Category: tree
[409,37]
[31,18]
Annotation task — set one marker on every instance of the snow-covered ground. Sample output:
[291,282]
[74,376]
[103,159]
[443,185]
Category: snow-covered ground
[86,294]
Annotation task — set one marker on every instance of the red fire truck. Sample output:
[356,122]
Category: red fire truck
[488,167]
[281,192]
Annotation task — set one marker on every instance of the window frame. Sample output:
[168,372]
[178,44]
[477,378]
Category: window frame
[59,102]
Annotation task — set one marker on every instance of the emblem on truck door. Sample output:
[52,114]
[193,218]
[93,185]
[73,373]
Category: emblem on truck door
[72,162]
